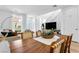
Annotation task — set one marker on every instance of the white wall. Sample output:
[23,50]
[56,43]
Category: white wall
[4,16]
[53,16]
[33,22]
[30,22]
[70,22]
[67,22]
[24,26]
[38,23]
[59,19]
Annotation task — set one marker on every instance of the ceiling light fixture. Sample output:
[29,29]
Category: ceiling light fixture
[54,5]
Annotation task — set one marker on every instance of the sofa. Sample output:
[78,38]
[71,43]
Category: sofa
[10,36]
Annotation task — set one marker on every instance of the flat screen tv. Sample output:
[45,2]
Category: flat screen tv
[51,25]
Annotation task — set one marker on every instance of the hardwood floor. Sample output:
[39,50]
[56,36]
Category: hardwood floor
[74,47]
[29,46]
[32,46]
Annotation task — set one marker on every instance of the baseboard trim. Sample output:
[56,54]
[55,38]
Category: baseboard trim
[75,42]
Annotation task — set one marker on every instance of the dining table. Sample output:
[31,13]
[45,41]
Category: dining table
[32,45]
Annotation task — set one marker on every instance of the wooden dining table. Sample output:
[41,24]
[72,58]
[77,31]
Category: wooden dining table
[29,46]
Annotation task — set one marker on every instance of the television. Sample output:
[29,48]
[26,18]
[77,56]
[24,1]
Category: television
[51,25]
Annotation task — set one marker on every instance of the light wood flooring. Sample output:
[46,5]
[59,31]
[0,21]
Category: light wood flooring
[74,47]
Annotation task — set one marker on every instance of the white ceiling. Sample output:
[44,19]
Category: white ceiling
[33,9]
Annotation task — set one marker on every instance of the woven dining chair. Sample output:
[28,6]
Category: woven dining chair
[68,43]
[59,45]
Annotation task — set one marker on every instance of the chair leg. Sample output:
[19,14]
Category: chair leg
[65,50]
[62,48]
[69,50]
[51,50]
